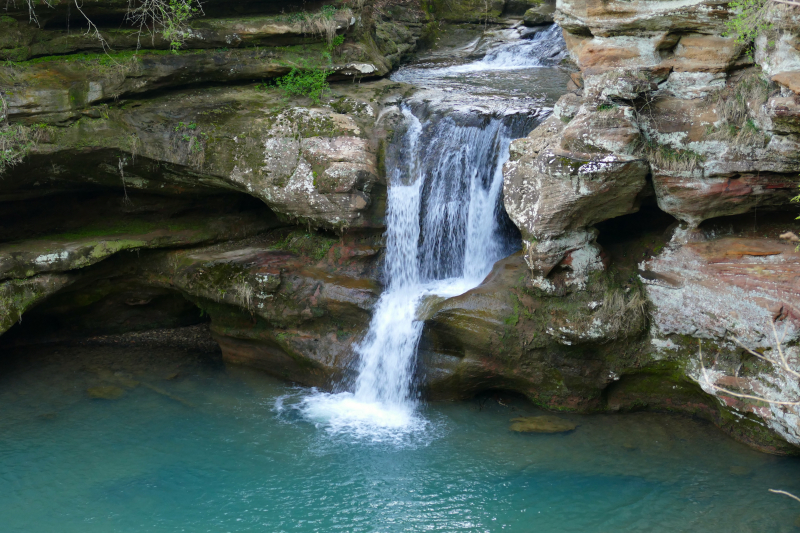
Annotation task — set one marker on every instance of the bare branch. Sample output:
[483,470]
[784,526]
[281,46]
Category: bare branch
[779,346]
[755,353]
[32,11]
[92,29]
[723,390]
[783,363]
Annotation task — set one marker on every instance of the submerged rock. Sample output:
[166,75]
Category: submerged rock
[541,424]
[105,392]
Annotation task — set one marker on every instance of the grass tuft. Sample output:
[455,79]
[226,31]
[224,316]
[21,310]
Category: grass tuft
[668,158]
[17,141]
[733,105]
[624,313]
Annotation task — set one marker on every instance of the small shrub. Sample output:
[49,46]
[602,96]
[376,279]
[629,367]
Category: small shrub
[312,83]
[748,21]
[328,11]
[170,18]
[337,42]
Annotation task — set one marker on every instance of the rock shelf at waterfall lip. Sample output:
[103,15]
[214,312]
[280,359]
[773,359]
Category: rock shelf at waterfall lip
[344,415]
[513,68]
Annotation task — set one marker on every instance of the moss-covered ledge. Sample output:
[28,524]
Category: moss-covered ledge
[314,163]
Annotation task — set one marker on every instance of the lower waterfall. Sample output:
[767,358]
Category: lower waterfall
[445,228]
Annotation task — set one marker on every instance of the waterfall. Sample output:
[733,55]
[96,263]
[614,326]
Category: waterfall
[544,48]
[443,236]
[445,228]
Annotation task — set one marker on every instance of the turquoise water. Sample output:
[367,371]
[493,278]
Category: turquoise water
[191,446]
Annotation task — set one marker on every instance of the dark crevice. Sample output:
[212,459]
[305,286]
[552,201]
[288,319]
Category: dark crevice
[629,239]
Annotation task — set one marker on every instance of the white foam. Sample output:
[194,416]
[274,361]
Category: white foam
[343,413]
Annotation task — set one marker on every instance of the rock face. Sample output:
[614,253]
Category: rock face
[555,192]
[141,200]
[54,75]
[665,108]
[308,163]
[237,167]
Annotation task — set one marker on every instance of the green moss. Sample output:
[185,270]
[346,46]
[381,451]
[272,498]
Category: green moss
[17,295]
[572,164]
[310,244]
[667,157]
[220,276]
[101,59]
[513,319]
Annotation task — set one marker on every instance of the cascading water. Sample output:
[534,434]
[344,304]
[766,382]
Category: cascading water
[543,48]
[443,236]
[446,227]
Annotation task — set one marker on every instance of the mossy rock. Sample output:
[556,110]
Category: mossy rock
[539,15]
[541,424]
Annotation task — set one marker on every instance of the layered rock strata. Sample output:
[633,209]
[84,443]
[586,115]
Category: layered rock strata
[144,200]
[666,107]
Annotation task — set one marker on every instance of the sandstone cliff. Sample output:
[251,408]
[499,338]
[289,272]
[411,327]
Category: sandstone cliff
[669,115]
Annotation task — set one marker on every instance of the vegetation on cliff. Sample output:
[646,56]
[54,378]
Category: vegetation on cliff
[17,141]
[749,21]
[167,18]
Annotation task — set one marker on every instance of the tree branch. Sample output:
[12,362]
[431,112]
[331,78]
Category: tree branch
[723,390]
[789,494]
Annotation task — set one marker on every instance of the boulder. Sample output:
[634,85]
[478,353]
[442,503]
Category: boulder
[554,194]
